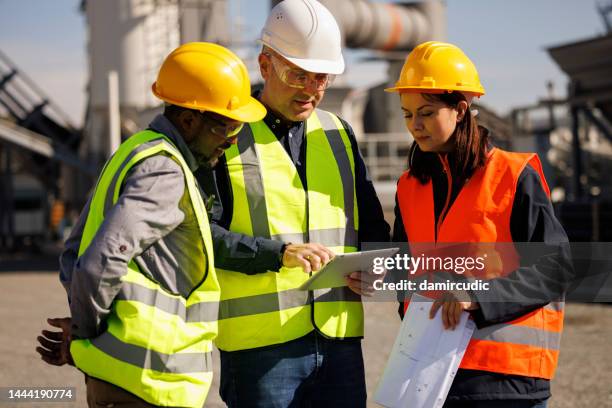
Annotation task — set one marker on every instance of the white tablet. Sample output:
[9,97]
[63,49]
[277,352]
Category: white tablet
[333,274]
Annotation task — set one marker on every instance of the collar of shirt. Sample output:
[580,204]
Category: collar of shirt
[161,124]
[279,125]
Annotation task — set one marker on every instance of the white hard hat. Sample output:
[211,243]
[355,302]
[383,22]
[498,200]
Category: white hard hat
[305,33]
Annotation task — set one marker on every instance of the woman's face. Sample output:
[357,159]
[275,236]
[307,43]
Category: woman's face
[431,123]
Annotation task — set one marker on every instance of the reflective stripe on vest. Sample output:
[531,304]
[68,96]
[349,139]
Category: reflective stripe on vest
[529,345]
[157,344]
[270,201]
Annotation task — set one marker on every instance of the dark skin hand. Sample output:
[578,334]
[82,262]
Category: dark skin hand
[55,348]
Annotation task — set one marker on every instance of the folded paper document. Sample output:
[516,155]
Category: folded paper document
[424,359]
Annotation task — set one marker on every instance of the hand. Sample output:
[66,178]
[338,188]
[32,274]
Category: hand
[55,348]
[362,283]
[452,306]
[310,257]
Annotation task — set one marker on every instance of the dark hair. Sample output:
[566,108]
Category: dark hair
[173,111]
[470,145]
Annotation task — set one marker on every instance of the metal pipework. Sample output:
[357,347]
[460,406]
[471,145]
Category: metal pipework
[388,26]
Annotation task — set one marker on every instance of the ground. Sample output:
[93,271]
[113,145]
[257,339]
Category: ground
[28,297]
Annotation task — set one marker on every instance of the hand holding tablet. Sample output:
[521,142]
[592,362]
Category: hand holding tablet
[333,275]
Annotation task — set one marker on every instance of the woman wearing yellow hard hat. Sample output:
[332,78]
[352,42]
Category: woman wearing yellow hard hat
[459,188]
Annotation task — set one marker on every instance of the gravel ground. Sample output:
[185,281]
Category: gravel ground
[27,298]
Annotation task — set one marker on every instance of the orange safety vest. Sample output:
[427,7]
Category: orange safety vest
[529,345]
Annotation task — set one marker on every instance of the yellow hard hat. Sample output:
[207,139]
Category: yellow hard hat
[435,67]
[208,77]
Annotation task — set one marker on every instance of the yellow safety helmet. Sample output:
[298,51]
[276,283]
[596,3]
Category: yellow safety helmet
[436,67]
[208,77]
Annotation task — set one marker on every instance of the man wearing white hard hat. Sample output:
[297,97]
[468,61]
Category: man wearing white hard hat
[296,177]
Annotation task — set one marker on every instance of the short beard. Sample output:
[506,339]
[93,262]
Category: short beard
[209,164]
[204,161]
[201,160]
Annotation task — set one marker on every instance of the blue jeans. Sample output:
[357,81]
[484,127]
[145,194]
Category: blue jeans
[308,372]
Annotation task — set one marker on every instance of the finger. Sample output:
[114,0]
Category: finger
[56,322]
[305,264]
[63,323]
[57,336]
[366,286]
[323,256]
[354,285]
[434,308]
[367,282]
[367,291]
[355,282]
[315,262]
[457,316]
[51,361]
[358,291]
[328,251]
[48,357]
[450,314]
[51,345]
[369,278]
[447,314]
[44,352]
[357,277]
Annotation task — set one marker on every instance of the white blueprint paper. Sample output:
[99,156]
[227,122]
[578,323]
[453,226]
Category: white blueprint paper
[424,359]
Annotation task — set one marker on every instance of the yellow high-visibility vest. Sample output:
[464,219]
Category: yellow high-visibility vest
[270,201]
[158,344]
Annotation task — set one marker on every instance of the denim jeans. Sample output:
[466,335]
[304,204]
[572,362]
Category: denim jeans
[308,372]
[497,404]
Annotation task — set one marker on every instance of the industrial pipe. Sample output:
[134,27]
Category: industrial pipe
[387,26]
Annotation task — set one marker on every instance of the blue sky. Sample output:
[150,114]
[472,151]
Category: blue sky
[505,39]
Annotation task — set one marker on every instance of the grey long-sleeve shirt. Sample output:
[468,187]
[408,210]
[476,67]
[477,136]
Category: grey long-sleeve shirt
[152,223]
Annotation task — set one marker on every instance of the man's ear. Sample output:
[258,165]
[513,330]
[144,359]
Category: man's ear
[462,108]
[265,65]
[187,123]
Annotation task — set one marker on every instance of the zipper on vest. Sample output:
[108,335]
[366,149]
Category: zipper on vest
[449,180]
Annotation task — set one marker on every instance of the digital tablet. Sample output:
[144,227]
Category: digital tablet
[333,274]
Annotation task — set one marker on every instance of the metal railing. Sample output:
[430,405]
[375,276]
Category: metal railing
[385,154]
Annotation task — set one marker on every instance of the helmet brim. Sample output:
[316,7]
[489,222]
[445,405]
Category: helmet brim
[415,89]
[318,66]
[252,111]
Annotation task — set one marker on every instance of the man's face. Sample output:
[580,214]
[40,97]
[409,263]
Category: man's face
[211,134]
[281,94]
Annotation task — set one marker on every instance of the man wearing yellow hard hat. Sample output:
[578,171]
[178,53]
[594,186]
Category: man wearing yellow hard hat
[138,267]
[295,177]
[459,188]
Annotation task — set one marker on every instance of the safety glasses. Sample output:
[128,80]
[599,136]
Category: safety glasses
[218,128]
[298,78]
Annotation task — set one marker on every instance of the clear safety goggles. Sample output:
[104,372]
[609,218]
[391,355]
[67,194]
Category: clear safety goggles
[219,128]
[297,77]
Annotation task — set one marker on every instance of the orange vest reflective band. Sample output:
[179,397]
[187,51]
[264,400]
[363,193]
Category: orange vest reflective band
[529,345]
